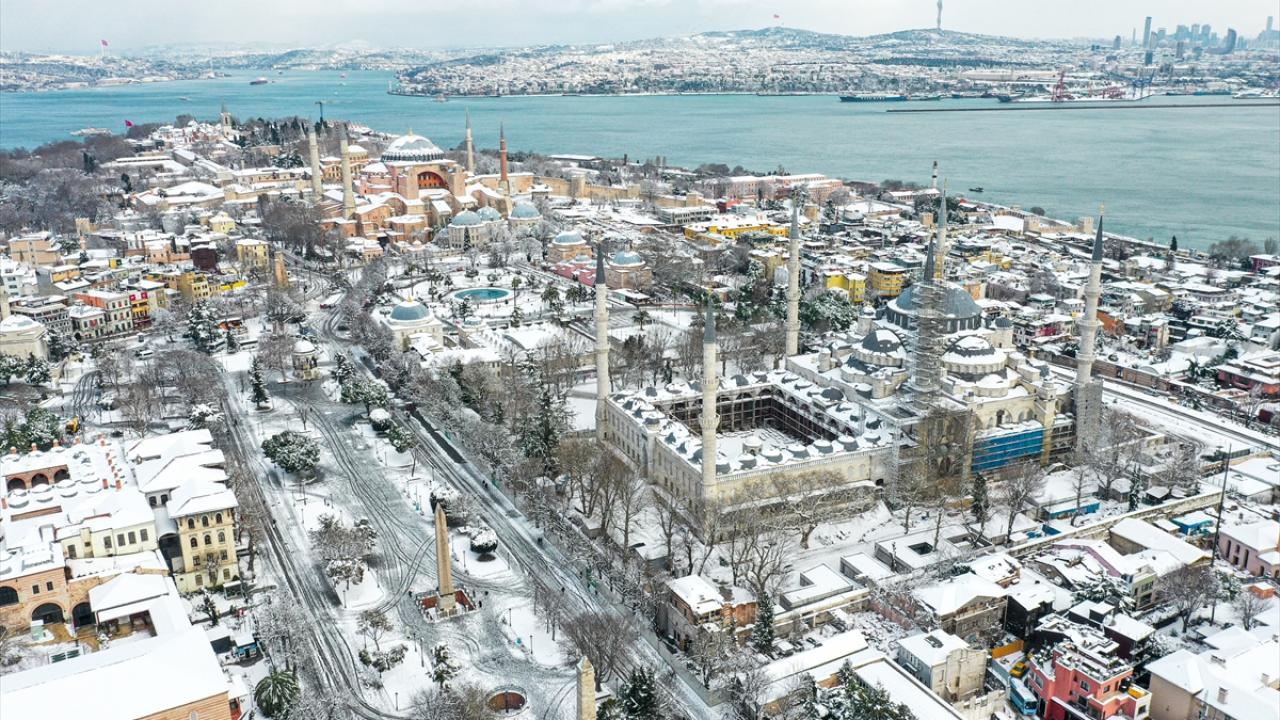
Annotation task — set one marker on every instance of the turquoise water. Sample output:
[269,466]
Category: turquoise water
[483,294]
[1201,174]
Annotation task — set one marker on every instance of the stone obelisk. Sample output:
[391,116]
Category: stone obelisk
[445,603]
[586,690]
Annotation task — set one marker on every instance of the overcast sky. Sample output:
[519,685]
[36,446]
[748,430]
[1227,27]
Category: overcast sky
[78,25]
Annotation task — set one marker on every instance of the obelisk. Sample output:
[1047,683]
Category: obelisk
[446,603]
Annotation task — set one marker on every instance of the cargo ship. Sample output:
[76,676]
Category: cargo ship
[873,97]
[259,81]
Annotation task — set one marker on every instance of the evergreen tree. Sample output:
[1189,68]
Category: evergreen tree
[292,451]
[277,693]
[36,371]
[1173,244]
[233,342]
[762,632]
[542,437]
[202,328]
[637,696]
[342,369]
[258,385]
[981,506]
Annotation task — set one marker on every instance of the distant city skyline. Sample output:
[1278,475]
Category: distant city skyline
[138,24]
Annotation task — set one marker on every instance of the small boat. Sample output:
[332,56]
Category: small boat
[918,98]
[90,132]
[975,189]
[343,75]
[259,81]
[873,97]
[441,98]
[184,98]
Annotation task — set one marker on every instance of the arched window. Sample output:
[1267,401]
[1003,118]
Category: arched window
[208,539]
[191,523]
[222,536]
[217,519]
[204,521]
[8,596]
[194,543]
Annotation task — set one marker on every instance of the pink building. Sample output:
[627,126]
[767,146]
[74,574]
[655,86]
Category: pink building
[1073,681]
[1253,548]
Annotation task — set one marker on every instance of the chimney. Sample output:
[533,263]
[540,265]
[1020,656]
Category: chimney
[1222,695]
[4,503]
[105,484]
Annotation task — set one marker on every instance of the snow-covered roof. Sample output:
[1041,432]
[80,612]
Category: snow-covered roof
[1146,535]
[932,648]
[130,680]
[950,595]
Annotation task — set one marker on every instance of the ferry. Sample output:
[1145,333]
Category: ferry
[90,132]
[259,81]
[1255,94]
[873,97]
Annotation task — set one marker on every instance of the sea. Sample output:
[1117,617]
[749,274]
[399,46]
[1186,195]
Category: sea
[1201,174]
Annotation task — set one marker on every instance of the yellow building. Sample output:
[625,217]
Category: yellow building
[854,284]
[886,280]
[252,254]
[731,226]
[222,223]
[205,513]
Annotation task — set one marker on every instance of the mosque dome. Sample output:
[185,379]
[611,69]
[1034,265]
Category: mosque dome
[488,214]
[18,323]
[626,258]
[973,356]
[959,310]
[412,148]
[568,237]
[466,218]
[525,211]
[303,347]
[881,340]
[410,311]
[879,348]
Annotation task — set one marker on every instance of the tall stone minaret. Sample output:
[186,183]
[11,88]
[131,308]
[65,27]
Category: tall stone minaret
[1088,323]
[940,258]
[348,193]
[471,152]
[317,178]
[1088,391]
[710,419]
[602,344]
[504,182]
[793,277]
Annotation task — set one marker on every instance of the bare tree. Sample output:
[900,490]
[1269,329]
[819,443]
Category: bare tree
[374,624]
[631,498]
[1249,606]
[1187,590]
[812,498]
[1021,485]
[280,626]
[605,638]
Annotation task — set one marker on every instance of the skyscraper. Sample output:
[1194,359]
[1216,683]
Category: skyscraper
[1146,32]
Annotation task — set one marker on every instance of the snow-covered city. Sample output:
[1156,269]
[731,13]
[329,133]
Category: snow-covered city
[309,421]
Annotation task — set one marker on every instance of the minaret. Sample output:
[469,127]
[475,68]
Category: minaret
[926,371]
[348,194]
[445,601]
[317,178]
[710,419]
[934,184]
[1088,391]
[504,183]
[793,277]
[1088,324]
[4,302]
[224,119]
[940,259]
[602,343]
[471,153]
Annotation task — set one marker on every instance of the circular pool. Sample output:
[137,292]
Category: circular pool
[483,294]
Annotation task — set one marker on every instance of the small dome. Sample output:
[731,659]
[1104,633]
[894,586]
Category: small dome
[489,214]
[353,149]
[466,218]
[18,323]
[412,148]
[568,237]
[626,258]
[525,211]
[410,311]
[882,341]
[303,347]
[971,346]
